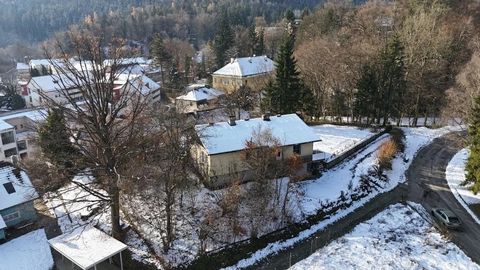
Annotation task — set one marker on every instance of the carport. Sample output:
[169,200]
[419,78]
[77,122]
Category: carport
[86,249]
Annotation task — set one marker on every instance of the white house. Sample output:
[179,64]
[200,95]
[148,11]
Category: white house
[50,86]
[219,152]
[138,83]
[199,97]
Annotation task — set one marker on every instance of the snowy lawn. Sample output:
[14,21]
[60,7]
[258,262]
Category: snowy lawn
[75,207]
[343,180]
[337,139]
[397,238]
[200,204]
[27,252]
[455,175]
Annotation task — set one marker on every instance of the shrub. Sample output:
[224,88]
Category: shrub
[385,154]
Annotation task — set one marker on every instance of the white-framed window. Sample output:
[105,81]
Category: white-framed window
[11,216]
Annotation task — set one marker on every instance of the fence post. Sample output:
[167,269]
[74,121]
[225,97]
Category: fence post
[290,261]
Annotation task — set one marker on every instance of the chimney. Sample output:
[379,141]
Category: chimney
[231,121]
[250,59]
[232,60]
[266,117]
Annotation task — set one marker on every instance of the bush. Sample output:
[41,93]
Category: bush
[385,154]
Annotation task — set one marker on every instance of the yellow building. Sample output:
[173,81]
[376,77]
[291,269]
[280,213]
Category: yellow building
[253,72]
[220,150]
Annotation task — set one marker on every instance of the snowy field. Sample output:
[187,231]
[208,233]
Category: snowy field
[27,252]
[199,203]
[397,238]
[455,175]
[337,139]
[344,179]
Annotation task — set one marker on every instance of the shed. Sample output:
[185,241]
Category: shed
[87,247]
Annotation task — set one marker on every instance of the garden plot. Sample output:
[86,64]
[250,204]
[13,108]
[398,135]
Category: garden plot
[397,238]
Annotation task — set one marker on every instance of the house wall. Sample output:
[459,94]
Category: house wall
[26,210]
[2,234]
[9,146]
[223,168]
[230,83]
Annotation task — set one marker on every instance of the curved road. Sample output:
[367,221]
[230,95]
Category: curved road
[427,172]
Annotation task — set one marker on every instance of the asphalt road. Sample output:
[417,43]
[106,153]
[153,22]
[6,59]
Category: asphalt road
[427,172]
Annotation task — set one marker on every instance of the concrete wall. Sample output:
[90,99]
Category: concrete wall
[26,210]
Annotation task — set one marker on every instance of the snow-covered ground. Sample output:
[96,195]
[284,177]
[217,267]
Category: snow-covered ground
[455,175]
[344,179]
[74,207]
[337,139]
[397,238]
[27,252]
[201,205]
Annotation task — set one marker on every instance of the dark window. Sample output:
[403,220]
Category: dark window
[10,152]
[9,188]
[22,145]
[297,149]
[8,137]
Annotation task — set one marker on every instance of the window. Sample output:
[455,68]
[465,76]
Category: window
[10,152]
[9,187]
[22,145]
[297,149]
[12,216]
[8,137]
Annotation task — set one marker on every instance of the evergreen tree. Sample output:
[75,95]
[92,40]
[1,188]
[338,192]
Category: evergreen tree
[223,40]
[54,140]
[392,80]
[159,54]
[252,40]
[260,45]
[366,97]
[287,93]
[473,164]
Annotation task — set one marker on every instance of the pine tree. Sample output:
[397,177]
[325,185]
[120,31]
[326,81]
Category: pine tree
[223,40]
[260,45]
[366,97]
[473,164]
[287,93]
[392,80]
[159,54]
[55,143]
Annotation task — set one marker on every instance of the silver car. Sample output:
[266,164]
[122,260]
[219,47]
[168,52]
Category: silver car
[446,218]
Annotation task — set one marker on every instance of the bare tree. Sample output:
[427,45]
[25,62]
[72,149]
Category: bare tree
[105,124]
[166,172]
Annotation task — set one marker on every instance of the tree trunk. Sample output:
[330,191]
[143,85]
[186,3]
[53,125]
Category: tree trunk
[115,212]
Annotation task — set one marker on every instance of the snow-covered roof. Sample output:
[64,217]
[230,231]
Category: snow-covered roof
[23,191]
[140,82]
[201,93]
[4,125]
[34,63]
[23,66]
[33,114]
[86,247]
[53,82]
[222,137]
[247,66]
[2,223]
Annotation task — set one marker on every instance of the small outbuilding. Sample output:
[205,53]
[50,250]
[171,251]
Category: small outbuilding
[87,248]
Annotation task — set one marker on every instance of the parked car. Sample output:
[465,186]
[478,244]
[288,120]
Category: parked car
[446,218]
